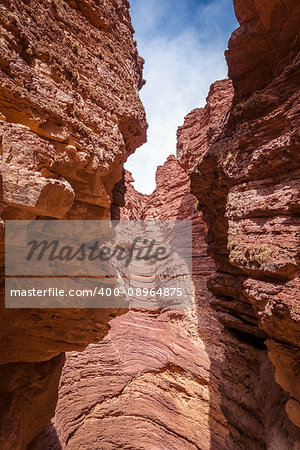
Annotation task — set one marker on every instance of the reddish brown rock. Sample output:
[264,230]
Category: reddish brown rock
[28,393]
[233,148]
[246,180]
[266,39]
[128,204]
[153,381]
[71,104]
[203,123]
[70,116]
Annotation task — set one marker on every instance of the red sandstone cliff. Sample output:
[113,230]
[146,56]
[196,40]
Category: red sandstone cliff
[70,116]
[246,180]
[241,154]
[179,379]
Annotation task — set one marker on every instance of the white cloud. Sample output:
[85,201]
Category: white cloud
[180,66]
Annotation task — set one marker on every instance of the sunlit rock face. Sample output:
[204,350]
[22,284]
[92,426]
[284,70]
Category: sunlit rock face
[153,381]
[246,180]
[70,116]
[203,123]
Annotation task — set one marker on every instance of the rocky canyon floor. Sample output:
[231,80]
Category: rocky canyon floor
[224,373]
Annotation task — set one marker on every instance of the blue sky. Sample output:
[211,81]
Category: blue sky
[183,43]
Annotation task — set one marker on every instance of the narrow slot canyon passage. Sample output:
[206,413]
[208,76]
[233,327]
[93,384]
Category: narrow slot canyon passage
[222,373]
[151,374]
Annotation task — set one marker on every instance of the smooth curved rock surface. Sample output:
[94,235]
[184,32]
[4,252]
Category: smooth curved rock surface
[153,381]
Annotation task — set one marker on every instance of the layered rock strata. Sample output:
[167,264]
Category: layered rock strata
[244,170]
[70,116]
[153,381]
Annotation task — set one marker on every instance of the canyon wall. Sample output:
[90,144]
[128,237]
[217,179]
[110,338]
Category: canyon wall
[183,379]
[70,116]
[153,381]
[223,374]
[244,170]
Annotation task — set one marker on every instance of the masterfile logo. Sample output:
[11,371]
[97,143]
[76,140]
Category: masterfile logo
[84,252]
[144,264]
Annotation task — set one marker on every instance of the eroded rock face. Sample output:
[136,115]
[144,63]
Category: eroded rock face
[246,180]
[69,105]
[202,124]
[70,116]
[153,381]
[28,397]
[266,40]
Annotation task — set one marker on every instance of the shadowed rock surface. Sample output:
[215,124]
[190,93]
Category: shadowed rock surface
[246,180]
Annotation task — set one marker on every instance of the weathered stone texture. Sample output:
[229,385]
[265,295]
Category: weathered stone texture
[246,180]
[70,115]
[153,381]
